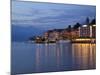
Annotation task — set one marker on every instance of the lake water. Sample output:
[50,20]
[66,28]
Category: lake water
[34,58]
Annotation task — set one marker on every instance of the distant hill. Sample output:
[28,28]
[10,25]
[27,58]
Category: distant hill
[20,33]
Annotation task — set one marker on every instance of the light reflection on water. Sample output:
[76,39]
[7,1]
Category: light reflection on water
[29,58]
[84,55]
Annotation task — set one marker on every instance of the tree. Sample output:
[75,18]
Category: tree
[93,21]
[76,26]
[87,21]
[69,28]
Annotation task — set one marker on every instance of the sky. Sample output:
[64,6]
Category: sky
[45,16]
[49,15]
[84,2]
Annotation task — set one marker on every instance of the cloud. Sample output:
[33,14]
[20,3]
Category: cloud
[84,2]
[48,15]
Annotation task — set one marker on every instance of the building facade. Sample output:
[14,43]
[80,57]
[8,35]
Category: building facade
[94,31]
[87,31]
[52,35]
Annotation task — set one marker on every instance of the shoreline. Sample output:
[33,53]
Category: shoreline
[79,40]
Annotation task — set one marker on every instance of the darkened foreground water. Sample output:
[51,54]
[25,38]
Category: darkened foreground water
[34,58]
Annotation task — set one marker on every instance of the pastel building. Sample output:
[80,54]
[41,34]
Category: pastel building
[74,33]
[86,31]
[65,34]
[46,35]
[52,35]
[93,31]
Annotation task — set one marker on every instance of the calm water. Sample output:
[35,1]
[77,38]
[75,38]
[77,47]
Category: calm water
[29,58]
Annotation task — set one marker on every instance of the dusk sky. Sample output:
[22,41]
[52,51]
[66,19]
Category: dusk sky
[49,15]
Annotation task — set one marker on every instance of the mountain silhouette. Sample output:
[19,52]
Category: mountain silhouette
[20,33]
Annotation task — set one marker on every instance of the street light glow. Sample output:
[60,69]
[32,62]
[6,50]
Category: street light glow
[84,26]
[94,25]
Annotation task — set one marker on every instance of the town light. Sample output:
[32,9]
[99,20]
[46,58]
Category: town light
[84,26]
[94,25]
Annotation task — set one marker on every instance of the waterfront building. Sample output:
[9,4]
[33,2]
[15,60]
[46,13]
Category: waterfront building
[87,31]
[65,34]
[74,33]
[84,31]
[94,31]
[46,35]
[52,35]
